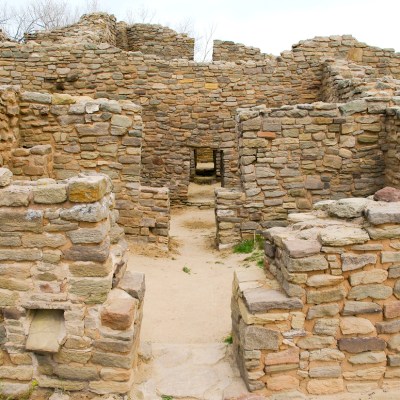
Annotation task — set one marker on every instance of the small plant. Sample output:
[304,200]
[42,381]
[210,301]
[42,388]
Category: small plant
[254,247]
[228,339]
[165,397]
[245,247]
[186,270]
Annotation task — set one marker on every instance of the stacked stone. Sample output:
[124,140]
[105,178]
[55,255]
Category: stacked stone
[91,28]
[229,217]
[34,163]
[9,132]
[329,320]
[392,154]
[343,81]
[70,312]
[236,52]
[294,156]
[82,134]
[159,40]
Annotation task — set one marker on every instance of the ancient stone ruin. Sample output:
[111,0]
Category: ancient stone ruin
[103,127]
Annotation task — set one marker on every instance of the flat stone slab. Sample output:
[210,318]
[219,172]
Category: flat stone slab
[298,248]
[359,345]
[134,284]
[379,213]
[348,208]
[343,235]
[46,332]
[261,300]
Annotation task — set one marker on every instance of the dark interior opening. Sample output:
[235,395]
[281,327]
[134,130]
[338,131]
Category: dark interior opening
[206,165]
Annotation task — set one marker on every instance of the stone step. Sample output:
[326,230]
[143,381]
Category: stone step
[261,300]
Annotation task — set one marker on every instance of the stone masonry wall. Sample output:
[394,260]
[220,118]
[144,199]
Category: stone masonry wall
[81,134]
[343,81]
[70,313]
[325,316]
[392,154]
[231,51]
[186,104]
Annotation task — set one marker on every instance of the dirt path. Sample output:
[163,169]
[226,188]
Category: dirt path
[191,306]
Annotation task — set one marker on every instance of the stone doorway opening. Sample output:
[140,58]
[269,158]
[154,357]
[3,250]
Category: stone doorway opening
[206,174]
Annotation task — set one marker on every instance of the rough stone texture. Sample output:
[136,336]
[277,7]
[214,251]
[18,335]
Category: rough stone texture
[388,194]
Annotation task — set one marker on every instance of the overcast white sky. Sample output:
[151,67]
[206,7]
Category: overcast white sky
[273,25]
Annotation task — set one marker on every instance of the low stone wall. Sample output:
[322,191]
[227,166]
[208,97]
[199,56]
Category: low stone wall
[325,318]
[230,51]
[70,313]
[392,154]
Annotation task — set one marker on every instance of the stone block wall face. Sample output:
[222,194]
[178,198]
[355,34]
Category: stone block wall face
[63,266]
[231,51]
[295,156]
[159,40]
[91,28]
[343,81]
[9,128]
[392,155]
[324,317]
[186,104]
[81,134]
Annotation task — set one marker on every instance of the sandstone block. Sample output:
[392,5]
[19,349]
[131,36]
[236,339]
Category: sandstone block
[258,338]
[354,326]
[392,310]
[369,357]
[306,264]
[374,291]
[379,213]
[332,371]
[119,313]
[343,236]
[324,280]
[388,194]
[134,284]
[366,277]
[366,374]
[112,360]
[88,189]
[298,248]
[388,327]
[284,382]
[325,386]
[43,240]
[262,300]
[91,290]
[326,326]
[361,307]
[351,261]
[394,343]
[96,253]
[326,295]
[115,374]
[390,256]
[50,194]
[15,196]
[394,360]
[93,212]
[21,220]
[316,342]
[359,345]
[90,269]
[83,373]
[348,208]
[290,356]
[327,355]
[353,107]
[18,373]
[5,177]
[323,310]
[89,235]
[332,161]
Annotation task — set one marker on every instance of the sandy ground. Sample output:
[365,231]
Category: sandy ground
[192,306]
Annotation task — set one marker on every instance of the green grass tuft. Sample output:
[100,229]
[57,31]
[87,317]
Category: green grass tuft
[186,270]
[245,247]
[228,339]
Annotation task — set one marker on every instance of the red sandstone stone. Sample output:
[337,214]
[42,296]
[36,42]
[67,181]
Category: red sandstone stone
[119,313]
[266,135]
[290,356]
[392,310]
[388,194]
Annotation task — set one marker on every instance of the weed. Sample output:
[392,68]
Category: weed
[245,247]
[165,397]
[254,247]
[25,396]
[186,270]
[228,339]
[260,263]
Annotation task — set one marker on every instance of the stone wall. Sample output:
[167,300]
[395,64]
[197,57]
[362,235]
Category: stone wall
[70,313]
[91,28]
[159,40]
[186,104]
[236,52]
[324,318]
[60,135]
[343,81]
[294,156]
[392,154]
[9,128]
